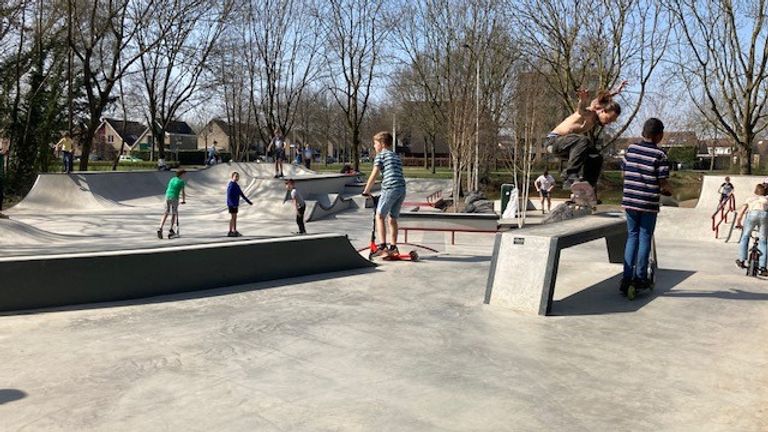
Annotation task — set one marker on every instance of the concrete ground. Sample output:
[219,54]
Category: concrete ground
[406,347]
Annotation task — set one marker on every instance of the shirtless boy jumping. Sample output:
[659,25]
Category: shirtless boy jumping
[570,138]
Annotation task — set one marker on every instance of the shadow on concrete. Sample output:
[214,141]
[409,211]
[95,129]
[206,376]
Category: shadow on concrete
[191,295]
[11,395]
[730,294]
[604,298]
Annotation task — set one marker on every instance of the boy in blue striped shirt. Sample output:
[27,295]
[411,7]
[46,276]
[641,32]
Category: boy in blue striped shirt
[388,163]
[646,170]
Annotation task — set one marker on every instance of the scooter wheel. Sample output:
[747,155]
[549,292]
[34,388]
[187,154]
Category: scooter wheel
[414,256]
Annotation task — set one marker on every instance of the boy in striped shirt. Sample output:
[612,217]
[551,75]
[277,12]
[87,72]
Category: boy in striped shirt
[388,163]
[646,170]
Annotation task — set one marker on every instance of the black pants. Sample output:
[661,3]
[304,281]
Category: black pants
[584,160]
[2,195]
[300,218]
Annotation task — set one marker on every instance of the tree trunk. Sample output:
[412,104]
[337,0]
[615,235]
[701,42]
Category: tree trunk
[356,147]
[433,139]
[745,162]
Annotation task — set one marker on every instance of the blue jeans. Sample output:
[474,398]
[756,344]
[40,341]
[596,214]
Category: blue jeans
[759,219]
[68,157]
[640,227]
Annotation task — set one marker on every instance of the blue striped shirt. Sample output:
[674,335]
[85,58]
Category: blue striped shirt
[391,169]
[644,165]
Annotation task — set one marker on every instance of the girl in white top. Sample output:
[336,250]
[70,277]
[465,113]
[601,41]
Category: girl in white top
[755,208]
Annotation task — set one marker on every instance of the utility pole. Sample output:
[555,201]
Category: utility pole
[394,132]
[476,175]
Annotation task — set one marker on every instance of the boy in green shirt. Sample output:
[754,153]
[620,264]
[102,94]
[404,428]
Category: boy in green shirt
[175,188]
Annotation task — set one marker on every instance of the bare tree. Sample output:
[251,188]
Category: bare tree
[355,31]
[723,61]
[280,41]
[593,44]
[103,42]
[175,46]
[447,43]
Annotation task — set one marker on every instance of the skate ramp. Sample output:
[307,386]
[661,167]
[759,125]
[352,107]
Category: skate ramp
[72,279]
[744,187]
[97,192]
[20,233]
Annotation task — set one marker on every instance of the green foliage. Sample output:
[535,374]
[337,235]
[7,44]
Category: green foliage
[686,155]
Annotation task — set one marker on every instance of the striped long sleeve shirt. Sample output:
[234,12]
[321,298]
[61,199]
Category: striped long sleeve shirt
[644,165]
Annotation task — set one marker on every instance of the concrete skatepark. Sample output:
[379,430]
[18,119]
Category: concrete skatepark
[402,346]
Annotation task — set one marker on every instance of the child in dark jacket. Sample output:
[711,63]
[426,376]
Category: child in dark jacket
[234,193]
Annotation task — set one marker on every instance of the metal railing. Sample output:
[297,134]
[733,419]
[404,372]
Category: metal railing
[720,216]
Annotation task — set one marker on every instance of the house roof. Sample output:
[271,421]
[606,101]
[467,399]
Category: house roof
[717,142]
[130,133]
[671,139]
[227,128]
[179,128]
[679,139]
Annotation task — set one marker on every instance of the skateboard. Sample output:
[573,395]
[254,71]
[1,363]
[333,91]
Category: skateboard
[581,203]
[633,289]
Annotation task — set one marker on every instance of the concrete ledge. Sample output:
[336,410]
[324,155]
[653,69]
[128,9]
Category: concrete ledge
[448,222]
[524,265]
[484,222]
[70,279]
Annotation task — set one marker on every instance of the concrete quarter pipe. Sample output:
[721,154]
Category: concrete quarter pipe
[76,257]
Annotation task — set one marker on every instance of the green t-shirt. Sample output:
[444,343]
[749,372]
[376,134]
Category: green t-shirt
[175,185]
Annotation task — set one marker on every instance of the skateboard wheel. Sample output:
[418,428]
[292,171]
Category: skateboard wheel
[414,256]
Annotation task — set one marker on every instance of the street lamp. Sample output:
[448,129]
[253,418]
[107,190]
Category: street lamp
[476,165]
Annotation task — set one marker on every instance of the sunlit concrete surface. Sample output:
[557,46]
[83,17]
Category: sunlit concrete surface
[405,346]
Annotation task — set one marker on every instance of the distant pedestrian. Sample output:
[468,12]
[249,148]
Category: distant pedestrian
[725,191]
[646,170]
[212,154]
[307,156]
[544,185]
[234,193]
[277,146]
[175,189]
[299,205]
[66,148]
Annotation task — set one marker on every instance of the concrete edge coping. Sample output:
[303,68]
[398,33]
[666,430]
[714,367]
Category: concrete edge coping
[164,249]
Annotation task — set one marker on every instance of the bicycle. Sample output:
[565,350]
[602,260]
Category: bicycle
[753,256]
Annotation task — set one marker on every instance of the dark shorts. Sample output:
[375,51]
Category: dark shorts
[544,194]
[232,210]
[279,154]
